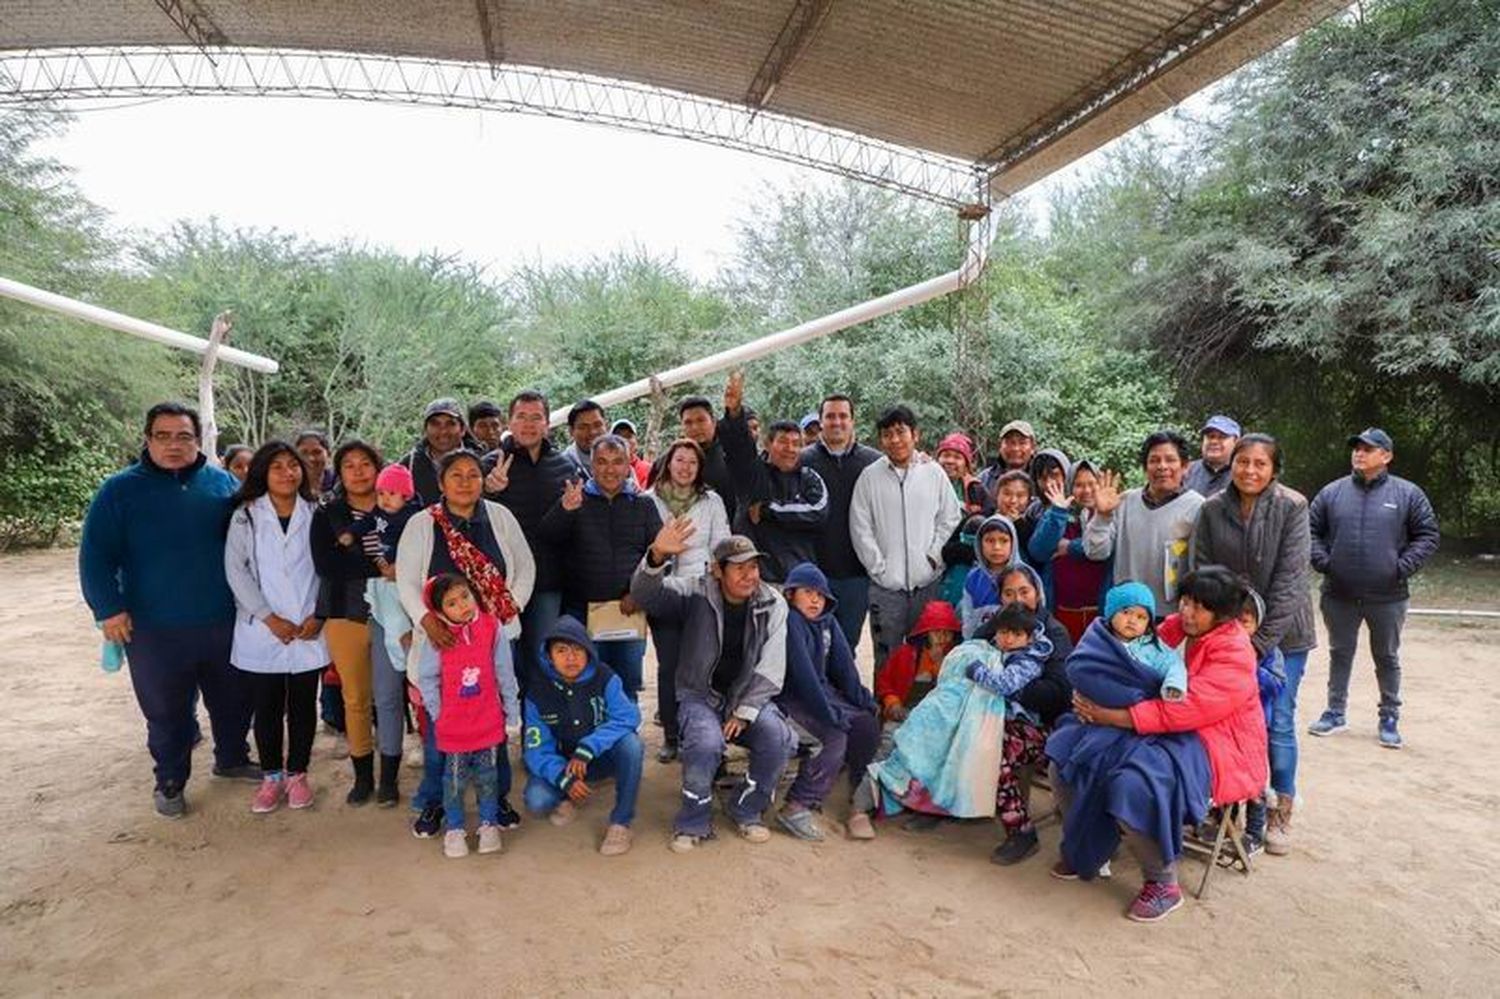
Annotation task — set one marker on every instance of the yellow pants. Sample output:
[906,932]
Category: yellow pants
[349,644]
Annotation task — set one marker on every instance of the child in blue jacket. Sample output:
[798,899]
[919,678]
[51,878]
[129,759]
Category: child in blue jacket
[580,728]
[823,695]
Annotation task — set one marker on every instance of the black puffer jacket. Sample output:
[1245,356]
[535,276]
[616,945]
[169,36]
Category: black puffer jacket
[794,504]
[534,488]
[1369,538]
[600,544]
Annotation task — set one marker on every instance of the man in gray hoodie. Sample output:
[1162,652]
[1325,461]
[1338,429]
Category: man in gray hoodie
[902,512]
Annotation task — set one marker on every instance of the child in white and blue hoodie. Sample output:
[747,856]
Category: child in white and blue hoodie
[1129,610]
[997,548]
[580,728]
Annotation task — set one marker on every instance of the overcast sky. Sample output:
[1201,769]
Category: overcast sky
[497,189]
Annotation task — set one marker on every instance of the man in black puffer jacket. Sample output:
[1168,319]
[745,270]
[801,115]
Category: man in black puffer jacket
[601,530]
[526,474]
[1371,532]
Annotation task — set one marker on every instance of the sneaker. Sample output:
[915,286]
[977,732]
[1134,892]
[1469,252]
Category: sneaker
[563,814]
[455,844]
[800,822]
[1329,723]
[666,754]
[1015,848]
[1254,845]
[299,793]
[860,826]
[170,804]
[489,839]
[1389,737]
[428,823]
[683,843]
[268,795]
[1154,902]
[245,771]
[509,817]
[616,840]
[754,832]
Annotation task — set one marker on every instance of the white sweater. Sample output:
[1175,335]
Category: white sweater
[899,520]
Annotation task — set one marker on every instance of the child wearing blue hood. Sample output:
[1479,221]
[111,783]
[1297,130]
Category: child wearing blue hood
[996,548]
[823,695]
[580,728]
[1129,610]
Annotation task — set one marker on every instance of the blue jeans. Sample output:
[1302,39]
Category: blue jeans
[625,658]
[539,617]
[430,792]
[853,595]
[622,762]
[771,743]
[487,770]
[168,667]
[1283,732]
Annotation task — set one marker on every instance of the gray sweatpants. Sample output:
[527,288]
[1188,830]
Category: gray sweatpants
[1342,618]
[893,613]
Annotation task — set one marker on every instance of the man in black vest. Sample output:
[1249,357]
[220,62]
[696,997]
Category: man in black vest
[839,459]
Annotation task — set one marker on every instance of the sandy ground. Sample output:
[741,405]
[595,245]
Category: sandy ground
[1391,889]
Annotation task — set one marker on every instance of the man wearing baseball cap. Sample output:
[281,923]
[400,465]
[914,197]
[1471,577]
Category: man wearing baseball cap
[731,663]
[1371,532]
[443,432]
[1017,446]
[1209,474]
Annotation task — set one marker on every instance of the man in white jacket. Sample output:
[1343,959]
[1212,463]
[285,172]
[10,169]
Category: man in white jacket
[902,511]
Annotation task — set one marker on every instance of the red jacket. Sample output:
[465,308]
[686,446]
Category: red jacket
[1222,705]
[895,679]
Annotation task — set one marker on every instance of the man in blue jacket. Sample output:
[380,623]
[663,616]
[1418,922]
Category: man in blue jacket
[152,568]
[1371,532]
[580,729]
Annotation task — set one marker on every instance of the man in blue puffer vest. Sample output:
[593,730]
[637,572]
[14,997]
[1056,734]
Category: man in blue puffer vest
[1371,532]
[152,568]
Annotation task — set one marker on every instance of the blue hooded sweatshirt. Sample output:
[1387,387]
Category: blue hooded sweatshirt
[821,678]
[981,596]
[580,719]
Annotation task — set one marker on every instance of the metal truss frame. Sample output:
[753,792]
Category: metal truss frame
[31,76]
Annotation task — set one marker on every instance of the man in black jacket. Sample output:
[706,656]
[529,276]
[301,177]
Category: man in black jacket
[1371,532]
[699,426]
[782,504]
[601,529]
[443,432]
[839,459]
[526,474]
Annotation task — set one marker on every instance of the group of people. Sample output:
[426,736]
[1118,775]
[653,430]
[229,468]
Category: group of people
[1144,646]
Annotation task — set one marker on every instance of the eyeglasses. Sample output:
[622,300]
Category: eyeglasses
[162,437]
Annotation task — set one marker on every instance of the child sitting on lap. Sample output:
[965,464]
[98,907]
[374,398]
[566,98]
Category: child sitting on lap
[468,689]
[580,729]
[1129,609]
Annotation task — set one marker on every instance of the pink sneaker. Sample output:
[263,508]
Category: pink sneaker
[299,793]
[267,796]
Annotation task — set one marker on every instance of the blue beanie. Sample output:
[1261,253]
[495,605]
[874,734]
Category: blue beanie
[1128,595]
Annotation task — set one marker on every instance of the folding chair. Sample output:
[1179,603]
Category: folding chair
[1226,849]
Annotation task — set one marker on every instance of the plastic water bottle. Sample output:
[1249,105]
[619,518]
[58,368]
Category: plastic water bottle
[112,656]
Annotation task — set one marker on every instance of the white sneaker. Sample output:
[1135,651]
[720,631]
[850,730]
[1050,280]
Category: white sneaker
[489,839]
[683,843]
[563,814]
[455,844]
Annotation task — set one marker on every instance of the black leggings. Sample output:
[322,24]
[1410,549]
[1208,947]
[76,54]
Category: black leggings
[292,697]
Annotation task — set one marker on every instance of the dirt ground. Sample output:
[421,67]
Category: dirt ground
[1391,889]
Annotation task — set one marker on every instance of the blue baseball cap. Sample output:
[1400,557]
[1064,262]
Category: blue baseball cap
[1374,437]
[1221,423]
[808,421]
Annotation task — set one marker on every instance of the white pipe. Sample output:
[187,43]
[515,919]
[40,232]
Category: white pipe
[1423,612]
[129,324]
[903,298]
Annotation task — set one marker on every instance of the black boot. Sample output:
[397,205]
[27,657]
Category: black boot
[386,795]
[364,779]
